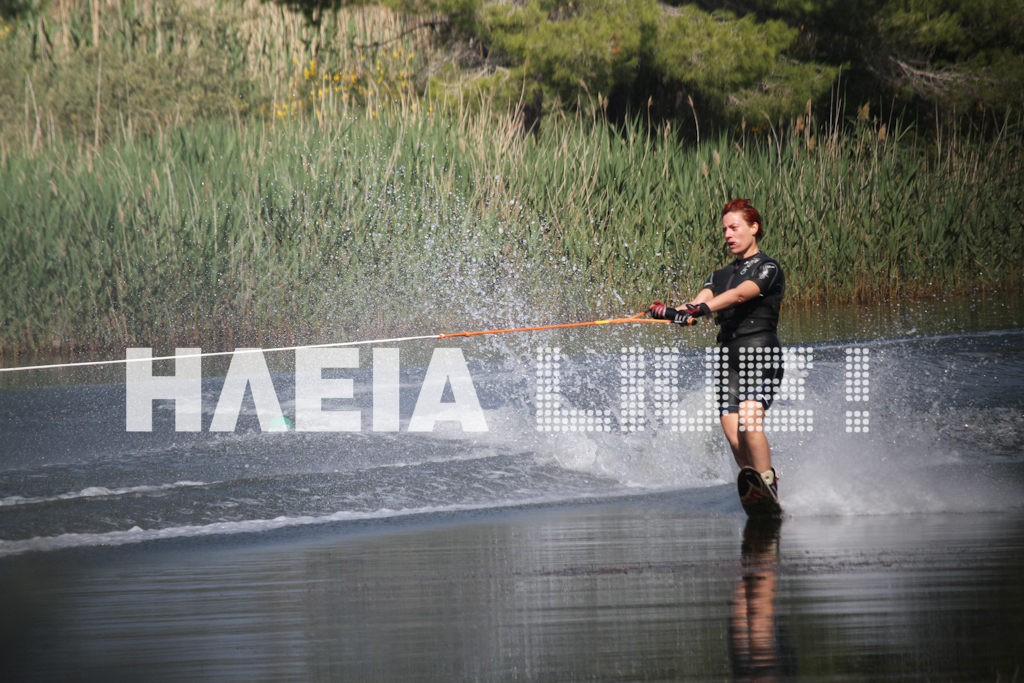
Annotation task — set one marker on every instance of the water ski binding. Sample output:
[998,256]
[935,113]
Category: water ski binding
[757,498]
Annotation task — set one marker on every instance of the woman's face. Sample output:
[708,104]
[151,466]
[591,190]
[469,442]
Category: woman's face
[740,236]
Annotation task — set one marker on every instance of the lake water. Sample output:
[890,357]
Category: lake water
[601,543]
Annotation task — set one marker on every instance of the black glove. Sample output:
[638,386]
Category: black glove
[690,313]
[660,311]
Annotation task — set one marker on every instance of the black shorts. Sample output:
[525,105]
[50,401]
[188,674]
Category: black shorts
[750,369]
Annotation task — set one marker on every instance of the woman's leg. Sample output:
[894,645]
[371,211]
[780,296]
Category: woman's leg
[754,373]
[753,442]
[730,425]
[745,433]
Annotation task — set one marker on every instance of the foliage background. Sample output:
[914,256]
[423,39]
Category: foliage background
[224,172]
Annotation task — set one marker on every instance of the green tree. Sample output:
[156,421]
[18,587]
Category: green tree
[738,67]
[639,56]
[724,61]
[563,54]
[962,55]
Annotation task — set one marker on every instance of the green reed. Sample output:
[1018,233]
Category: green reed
[854,212]
[265,233]
[347,205]
[249,234]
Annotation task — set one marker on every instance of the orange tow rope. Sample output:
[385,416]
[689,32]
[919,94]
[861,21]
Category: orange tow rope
[364,342]
[638,318]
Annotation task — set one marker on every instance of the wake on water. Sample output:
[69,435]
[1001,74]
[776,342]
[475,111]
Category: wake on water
[939,431]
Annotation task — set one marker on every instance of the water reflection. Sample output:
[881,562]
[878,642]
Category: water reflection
[755,641]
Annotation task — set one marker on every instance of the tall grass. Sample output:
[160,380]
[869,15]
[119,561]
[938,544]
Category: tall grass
[855,211]
[333,214]
[256,233]
[96,71]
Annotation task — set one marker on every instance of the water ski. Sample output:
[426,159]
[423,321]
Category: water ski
[756,497]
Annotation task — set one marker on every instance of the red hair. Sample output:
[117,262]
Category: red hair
[747,210]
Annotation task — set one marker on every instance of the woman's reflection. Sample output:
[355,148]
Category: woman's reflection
[754,640]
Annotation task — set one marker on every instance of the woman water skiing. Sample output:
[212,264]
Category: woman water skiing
[745,297]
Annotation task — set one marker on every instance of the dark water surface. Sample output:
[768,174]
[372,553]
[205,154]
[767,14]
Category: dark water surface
[631,590]
[529,552]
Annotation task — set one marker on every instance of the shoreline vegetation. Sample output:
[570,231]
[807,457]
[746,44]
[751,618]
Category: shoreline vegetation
[323,185]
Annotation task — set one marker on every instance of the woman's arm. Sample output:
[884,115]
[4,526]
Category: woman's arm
[744,291]
[703,296]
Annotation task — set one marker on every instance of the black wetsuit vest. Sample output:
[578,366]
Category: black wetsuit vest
[757,315]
